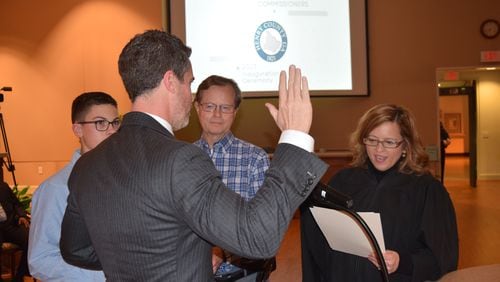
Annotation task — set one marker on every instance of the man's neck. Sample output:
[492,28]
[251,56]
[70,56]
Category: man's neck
[153,103]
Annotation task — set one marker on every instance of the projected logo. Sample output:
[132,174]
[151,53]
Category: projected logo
[270,41]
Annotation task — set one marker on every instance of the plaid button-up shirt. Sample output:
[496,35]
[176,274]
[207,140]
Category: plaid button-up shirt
[241,164]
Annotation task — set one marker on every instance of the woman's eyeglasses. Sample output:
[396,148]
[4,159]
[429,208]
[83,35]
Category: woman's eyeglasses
[386,143]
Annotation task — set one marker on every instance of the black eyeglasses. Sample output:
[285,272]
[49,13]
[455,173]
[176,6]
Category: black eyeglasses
[210,107]
[386,143]
[102,124]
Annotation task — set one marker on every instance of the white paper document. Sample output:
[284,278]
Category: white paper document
[344,233]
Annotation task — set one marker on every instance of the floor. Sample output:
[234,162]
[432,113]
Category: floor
[478,217]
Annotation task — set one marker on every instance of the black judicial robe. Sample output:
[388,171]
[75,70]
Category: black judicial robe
[418,221]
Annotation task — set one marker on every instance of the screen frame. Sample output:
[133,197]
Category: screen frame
[173,18]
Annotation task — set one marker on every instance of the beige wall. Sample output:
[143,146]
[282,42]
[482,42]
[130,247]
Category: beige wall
[488,138]
[51,53]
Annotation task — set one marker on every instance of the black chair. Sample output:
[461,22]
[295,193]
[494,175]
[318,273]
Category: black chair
[9,250]
[264,267]
[248,267]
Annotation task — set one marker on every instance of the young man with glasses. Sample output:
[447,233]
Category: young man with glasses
[95,117]
[241,164]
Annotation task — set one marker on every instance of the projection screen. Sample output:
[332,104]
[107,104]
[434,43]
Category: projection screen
[251,41]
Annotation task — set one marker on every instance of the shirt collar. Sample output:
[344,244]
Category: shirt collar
[380,174]
[224,143]
[163,122]
[76,156]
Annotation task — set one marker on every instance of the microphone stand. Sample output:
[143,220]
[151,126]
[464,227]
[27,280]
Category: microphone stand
[320,202]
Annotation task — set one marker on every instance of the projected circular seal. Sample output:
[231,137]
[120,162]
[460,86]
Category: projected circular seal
[270,41]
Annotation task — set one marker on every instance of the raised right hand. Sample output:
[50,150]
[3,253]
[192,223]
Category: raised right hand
[295,108]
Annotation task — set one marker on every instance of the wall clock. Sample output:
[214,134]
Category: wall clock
[490,28]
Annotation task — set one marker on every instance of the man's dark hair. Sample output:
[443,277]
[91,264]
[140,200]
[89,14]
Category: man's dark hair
[218,81]
[147,57]
[81,105]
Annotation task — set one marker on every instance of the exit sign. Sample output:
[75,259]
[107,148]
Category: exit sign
[490,56]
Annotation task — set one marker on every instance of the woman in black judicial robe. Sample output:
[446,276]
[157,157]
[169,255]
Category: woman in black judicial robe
[389,175]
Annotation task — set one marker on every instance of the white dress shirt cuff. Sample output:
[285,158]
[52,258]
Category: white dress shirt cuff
[297,138]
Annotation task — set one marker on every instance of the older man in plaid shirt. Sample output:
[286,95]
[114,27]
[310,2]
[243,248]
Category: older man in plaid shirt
[241,164]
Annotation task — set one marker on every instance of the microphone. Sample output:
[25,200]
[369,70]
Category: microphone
[323,192]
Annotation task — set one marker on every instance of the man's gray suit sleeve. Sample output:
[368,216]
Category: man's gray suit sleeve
[253,229]
[75,244]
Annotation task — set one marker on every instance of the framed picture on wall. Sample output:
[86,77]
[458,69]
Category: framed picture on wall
[453,122]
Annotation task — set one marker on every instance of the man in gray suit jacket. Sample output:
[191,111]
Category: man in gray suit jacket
[144,206]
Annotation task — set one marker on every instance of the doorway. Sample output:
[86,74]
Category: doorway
[458,114]
[484,115]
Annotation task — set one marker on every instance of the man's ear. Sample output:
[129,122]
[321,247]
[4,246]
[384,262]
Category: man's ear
[77,130]
[170,81]
[197,107]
